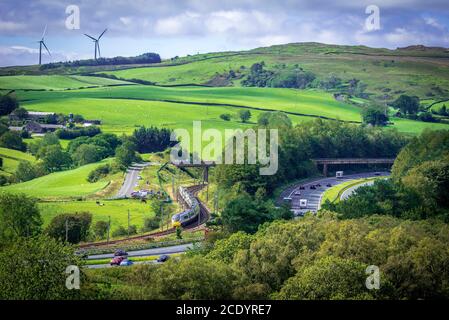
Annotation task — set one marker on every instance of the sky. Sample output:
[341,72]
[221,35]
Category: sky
[180,27]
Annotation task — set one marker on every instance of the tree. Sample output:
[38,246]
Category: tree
[126,154]
[225,116]
[25,171]
[192,278]
[374,116]
[86,153]
[101,228]
[34,269]
[19,217]
[54,158]
[21,113]
[407,105]
[152,139]
[329,278]
[8,104]
[71,226]
[244,115]
[245,214]
[12,140]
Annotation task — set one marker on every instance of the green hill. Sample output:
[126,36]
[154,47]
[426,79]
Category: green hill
[67,184]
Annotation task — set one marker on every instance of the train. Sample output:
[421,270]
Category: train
[192,212]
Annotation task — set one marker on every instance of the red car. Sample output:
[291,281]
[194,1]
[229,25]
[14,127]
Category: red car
[116,261]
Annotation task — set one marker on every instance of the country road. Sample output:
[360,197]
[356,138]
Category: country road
[132,174]
[141,253]
[313,196]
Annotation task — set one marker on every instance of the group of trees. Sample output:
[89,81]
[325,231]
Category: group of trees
[375,115]
[152,139]
[317,257]
[140,59]
[418,188]
[281,78]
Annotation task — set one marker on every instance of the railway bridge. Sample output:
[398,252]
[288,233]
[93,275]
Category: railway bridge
[325,162]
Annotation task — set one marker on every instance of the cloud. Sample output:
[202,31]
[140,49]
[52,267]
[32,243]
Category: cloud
[11,26]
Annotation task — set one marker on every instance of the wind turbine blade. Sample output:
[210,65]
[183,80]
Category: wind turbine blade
[90,37]
[45,31]
[102,34]
[46,48]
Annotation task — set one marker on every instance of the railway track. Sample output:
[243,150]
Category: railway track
[204,217]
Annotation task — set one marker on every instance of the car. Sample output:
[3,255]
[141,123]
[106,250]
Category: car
[377,174]
[328,185]
[82,254]
[126,262]
[297,193]
[163,258]
[120,253]
[312,187]
[302,188]
[116,261]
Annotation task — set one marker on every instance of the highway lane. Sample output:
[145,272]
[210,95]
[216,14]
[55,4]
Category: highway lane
[313,196]
[348,192]
[130,182]
[147,252]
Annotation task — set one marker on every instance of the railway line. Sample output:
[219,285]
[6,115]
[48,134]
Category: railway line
[192,226]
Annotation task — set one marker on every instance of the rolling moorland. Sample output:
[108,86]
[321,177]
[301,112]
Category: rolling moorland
[333,87]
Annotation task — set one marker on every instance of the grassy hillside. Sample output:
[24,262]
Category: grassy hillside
[54,82]
[116,209]
[11,159]
[69,184]
[416,71]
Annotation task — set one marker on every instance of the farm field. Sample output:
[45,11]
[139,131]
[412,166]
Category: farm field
[123,116]
[301,102]
[64,184]
[116,209]
[11,159]
[123,108]
[54,82]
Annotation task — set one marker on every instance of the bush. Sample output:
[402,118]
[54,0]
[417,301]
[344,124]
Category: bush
[79,132]
[77,224]
[225,116]
[99,173]
[12,140]
[3,180]
[101,229]
[150,224]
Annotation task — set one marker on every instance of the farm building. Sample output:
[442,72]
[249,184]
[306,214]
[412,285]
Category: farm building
[32,116]
[34,127]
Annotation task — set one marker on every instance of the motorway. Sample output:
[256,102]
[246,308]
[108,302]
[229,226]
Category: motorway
[141,253]
[130,182]
[313,196]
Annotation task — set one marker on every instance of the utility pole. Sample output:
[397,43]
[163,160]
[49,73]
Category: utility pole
[109,227]
[128,222]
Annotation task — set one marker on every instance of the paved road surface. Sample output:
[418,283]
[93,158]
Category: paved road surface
[147,252]
[348,192]
[132,174]
[313,196]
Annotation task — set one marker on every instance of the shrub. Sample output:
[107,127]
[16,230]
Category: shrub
[225,116]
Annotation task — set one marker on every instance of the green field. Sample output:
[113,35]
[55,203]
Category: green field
[67,184]
[54,82]
[116,209]
[11,159]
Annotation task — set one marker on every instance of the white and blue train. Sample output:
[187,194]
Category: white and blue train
[192,211]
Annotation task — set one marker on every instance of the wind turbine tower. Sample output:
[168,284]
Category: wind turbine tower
[42,44]
[97,43]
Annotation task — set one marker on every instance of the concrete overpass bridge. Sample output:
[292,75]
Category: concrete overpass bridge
[325,162]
